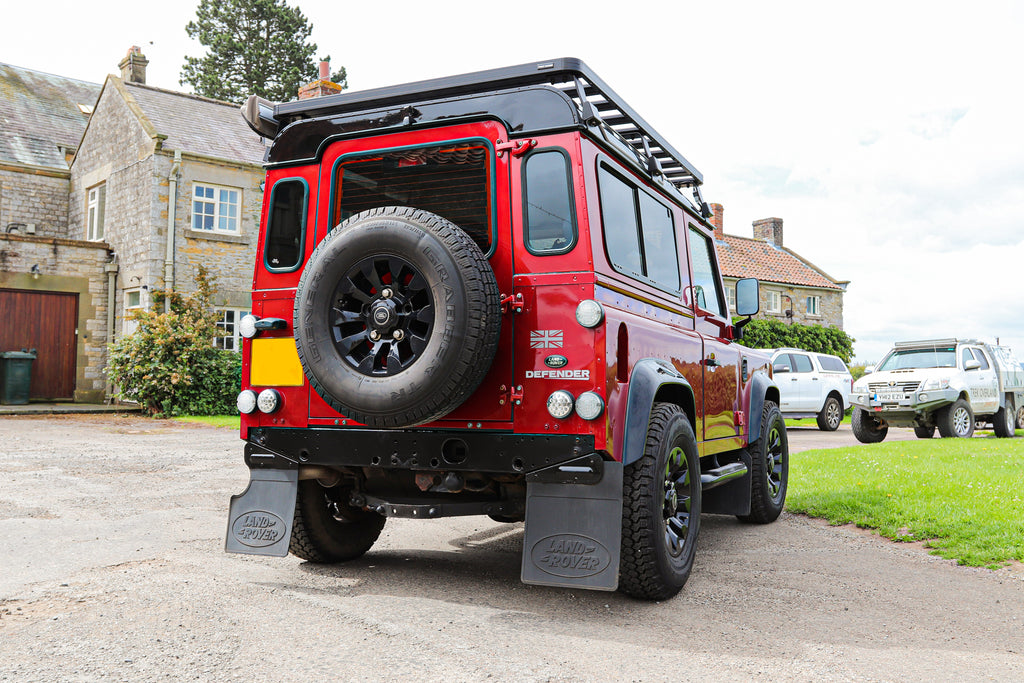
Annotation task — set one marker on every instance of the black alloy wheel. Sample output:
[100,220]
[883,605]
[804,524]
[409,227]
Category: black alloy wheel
[383,315]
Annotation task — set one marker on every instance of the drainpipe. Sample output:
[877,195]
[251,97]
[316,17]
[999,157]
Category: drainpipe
[172,196]
[111,270]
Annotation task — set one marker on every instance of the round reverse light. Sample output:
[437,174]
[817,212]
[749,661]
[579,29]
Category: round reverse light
[589,313]
[560,404]
[268,401]
[589,405]
[247,326]
[246,402]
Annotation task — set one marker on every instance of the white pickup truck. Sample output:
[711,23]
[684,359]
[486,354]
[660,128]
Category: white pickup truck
[939,383]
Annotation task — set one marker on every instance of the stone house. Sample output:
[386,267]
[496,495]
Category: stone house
[792,288]
[107,192]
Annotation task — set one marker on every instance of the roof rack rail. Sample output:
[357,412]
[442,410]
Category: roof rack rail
[598,106]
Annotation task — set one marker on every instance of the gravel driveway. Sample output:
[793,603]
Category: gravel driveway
[113,569]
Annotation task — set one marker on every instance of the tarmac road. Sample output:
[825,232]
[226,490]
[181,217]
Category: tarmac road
[111,533]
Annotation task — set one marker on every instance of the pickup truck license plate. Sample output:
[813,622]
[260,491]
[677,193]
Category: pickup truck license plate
[891,397]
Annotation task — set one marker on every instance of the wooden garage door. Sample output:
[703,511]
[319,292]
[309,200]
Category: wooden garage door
[44,321]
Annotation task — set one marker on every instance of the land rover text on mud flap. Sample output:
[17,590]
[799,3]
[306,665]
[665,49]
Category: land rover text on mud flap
[939,383]
[496,294]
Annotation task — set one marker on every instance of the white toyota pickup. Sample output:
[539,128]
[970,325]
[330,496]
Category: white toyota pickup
[943,383]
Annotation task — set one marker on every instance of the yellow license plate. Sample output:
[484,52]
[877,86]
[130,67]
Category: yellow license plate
[275,363]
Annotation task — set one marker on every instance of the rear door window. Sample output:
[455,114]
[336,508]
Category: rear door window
[801,363]
[550,225]
[286,225]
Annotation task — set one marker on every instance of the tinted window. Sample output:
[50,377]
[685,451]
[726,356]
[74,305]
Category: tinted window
[831,364]
[783,360]
[618,215]
[659,242]
[286,225]
[550,228]
[452,181]
[801,362]
[705,278]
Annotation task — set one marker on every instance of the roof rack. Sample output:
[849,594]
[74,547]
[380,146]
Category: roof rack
[597,104]
[952,341]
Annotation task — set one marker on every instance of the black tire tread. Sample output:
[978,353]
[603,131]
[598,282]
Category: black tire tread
[944,420]
[863,427]
[1002,430]
[822,418]
[638,564]
[315,539]
[763,509]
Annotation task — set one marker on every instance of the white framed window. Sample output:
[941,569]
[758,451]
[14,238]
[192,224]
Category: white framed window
[215,208]
[95,207]
[814,305]
[227,329]
[730,295]
[773,301]
[134,299]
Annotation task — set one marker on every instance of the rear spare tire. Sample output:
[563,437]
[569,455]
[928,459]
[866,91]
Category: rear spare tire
[397,317]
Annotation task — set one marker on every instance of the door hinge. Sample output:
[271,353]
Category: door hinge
[513,394]
[516,147]
[512,302]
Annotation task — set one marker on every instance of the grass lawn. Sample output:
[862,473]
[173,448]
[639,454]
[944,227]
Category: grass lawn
[232,421]
[963,497]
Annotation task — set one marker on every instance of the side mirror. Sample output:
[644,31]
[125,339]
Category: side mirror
[868,369]
[972,365]
[748,296]
[780,368]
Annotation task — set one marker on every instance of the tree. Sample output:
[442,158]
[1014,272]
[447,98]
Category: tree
[254,47]
[773,334]
[169,363]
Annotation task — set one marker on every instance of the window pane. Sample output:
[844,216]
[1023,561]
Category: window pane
[618,216]
[802,362]
[705,279]
[659,242]
[286,226]
[549,223]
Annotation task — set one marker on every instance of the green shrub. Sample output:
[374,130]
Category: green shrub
[772,334]
[169,364]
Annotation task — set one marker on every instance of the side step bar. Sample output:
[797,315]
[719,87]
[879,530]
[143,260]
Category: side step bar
[722,475]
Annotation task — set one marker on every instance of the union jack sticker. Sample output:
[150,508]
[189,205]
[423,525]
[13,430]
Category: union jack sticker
[546,339]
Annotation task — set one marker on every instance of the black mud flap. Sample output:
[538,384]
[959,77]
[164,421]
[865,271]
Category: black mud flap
[573,532]
[260,519]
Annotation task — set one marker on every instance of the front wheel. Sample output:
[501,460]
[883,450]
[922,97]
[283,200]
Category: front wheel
[956,421]
[924,432]
[868,428]
[769,471]
[661,508]
[831,415]
[327,528]
[1004,421]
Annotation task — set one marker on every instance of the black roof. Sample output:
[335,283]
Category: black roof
[531,98]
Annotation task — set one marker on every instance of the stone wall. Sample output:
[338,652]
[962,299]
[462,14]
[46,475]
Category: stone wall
[67,266]
[830,312]
[35,196]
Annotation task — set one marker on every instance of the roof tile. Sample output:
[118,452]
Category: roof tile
[741,257]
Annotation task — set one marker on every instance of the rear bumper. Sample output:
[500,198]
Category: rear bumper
[469,451]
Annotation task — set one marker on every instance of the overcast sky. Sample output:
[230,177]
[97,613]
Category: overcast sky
[887,135]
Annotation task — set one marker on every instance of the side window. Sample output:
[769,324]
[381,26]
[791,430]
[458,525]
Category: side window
[801,363]
[550,224]
[831,364]
[965,355]
[980,355]
[705,277]
[286,225]
[659,242]
[783,360]
[618,215]
[639,233]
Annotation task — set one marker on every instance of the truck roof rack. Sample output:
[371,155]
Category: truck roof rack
[597,104]
[951,341]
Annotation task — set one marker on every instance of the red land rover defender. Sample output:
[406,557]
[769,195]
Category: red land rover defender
[496,294]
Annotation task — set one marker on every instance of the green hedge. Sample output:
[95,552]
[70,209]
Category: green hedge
[772,334]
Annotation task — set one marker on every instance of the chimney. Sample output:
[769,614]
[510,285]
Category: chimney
[718,220]
[322,86]
[133,66]
[769,230]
